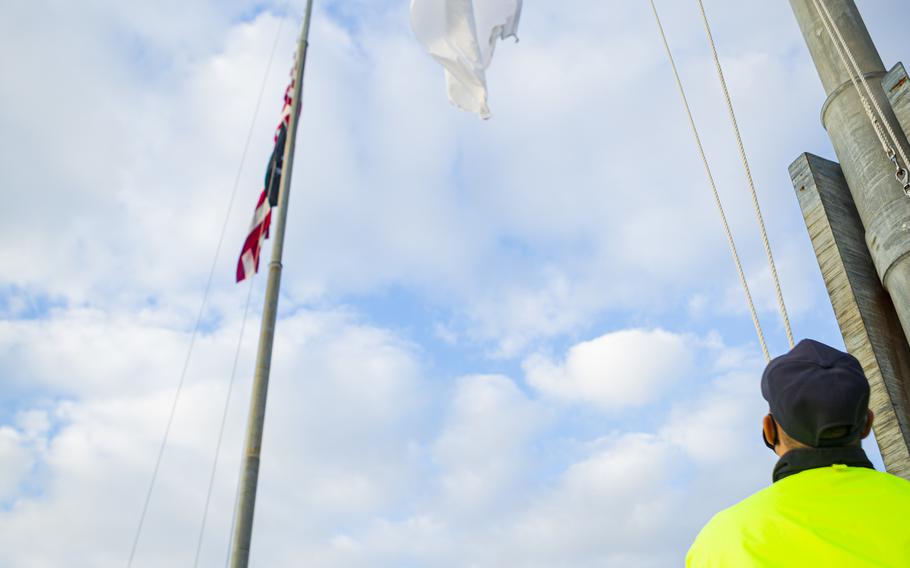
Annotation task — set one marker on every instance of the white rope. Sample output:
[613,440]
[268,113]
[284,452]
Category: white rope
[742,154]
[195,333]
[717,202]
[856,77]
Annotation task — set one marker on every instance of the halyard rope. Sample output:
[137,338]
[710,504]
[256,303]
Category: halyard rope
[742,154]
[717,202]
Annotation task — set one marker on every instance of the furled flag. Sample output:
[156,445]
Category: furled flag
[461,35]
[248,264]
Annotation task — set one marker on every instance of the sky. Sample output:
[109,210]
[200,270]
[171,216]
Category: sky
[514,342]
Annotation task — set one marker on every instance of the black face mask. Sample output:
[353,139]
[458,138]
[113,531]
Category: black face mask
[765,440]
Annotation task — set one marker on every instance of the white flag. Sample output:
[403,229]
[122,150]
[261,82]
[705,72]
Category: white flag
[449,31]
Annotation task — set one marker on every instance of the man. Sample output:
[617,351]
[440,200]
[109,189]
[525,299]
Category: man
[827,505]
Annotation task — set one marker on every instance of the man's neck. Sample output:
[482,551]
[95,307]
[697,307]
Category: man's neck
[799,460]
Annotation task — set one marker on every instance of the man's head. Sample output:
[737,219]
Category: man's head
[818,397]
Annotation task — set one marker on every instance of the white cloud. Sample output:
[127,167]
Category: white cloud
[514,318]
[340,440]
[17,460]
[620,369]
[85,351]
[607,508]
[608,503]
[726,415]
[482,451]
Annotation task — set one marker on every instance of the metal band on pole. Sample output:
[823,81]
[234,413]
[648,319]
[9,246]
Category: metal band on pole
[240,550]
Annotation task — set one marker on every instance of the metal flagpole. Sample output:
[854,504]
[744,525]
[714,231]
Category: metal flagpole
[240,549]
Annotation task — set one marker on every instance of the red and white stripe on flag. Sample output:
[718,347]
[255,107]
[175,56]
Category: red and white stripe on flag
[248,264]
[286,109]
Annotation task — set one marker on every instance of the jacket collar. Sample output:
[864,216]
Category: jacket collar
[795,461]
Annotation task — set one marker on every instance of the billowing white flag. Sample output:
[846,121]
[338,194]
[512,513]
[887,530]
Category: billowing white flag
[449,31]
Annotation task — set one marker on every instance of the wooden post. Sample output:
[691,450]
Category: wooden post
[868,322]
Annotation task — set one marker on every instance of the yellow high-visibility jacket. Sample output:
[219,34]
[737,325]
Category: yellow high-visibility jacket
[830,516]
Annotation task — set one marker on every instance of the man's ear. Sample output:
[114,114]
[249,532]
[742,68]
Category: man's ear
[769,429]
[870,416]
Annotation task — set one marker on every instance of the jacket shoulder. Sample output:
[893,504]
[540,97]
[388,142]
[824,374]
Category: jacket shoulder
[724,529]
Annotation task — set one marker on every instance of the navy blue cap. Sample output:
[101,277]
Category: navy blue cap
[815,389]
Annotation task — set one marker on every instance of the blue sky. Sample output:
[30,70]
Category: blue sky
[515,342]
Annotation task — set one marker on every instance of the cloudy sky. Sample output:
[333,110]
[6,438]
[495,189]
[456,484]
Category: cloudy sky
[518,342]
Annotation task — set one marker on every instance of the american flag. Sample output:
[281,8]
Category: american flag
[248,263]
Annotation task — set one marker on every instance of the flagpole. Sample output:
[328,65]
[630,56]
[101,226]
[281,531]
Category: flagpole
[240,549]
